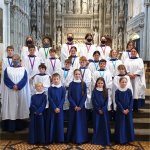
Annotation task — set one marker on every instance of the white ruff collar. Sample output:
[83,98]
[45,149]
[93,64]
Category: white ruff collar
[58,86]
[99,89]
[122,89]
[39,92]
[78,81]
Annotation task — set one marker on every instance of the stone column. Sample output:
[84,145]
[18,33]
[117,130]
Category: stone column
[147,32]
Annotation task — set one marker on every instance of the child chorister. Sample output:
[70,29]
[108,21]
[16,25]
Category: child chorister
[56,97]
[37,107]
[113,63]
[101,135]
[124,130]
[74,58]
[104,73]
[66,76]
[122,73]
[94,64]
[31,64]
[77,131]
[53,64]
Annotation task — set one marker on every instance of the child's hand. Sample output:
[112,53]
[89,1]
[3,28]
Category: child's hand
[101,112]
[76,108]
[15,87]
[124,112]
[57,110]
[127,111]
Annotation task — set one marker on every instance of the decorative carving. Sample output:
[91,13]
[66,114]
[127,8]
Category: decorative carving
[120,37]
[84,6]
[70,6]
[108,8]
[96,3]
[95,37]
[58,6]
[77,6]
[58,36]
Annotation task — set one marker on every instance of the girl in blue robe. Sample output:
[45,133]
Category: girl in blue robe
[37,107]
[77,131]
[101,135]
[124,130]
[56,98]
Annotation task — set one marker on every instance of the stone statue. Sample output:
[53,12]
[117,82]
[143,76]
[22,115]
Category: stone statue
[70,6]
[95,37]
[108,6]
[58,5]
[84,6]
[34,32]
[96,6]
[47,6]
[78,6]
[120,37]
[121,5]
[58,37]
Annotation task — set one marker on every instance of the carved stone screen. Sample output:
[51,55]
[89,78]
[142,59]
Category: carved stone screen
[1,25]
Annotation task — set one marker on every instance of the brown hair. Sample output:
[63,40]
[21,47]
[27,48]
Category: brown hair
[122,67]
[42,66]
[82,82]
[130,42]
[88,34]
[82,58]
[110,54]
[53,50]
[105,91]
[102,60]
[10,47]
[122,79]
[68,61]
[27,39]
[31,46]
[55,75]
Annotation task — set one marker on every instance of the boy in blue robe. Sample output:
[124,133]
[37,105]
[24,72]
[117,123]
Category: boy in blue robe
[37,107]
[56,98]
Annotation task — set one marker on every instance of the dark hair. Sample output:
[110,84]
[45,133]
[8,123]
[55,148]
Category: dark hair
[10,47]
[42,66]
[88,34]
[122,79]
[102,60]
[105,91]
[73,47]
[130,42]
[96,52]
[68,61]
[122,67]
[82,82]
[31,46]
[135,49]
[53,50]
[55,75]
[47,37]
[27,40]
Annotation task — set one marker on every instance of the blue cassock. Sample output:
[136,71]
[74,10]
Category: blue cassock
[77,127]
[124,130]
[36,127]
[101,135]
[56,97]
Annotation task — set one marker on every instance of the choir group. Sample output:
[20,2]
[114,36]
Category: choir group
[87,82]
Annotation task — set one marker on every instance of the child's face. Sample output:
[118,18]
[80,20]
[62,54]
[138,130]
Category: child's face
[100,84]
[32,51]
[42,70]
[133,53]
[52,54]
[10,52]
[123,83]
[73,52]
[102,65]
[130,46]
[122,71]
[39,87]
[56,80]
[96,57]
[83,63]
[77,75]
[67,65]
[114,54]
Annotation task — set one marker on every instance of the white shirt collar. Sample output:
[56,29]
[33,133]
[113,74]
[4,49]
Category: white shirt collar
[78,81]
[58,86]
[39,92]
[123,89]
[99,89]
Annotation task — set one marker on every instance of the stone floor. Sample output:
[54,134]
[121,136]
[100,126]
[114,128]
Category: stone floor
[22,145]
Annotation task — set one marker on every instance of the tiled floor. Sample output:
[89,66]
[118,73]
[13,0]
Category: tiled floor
[22,145]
